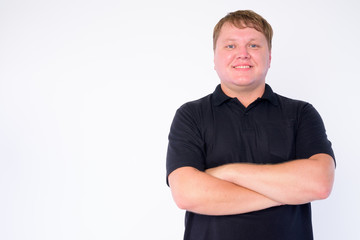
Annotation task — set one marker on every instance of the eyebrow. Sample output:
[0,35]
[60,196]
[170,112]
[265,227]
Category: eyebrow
[234,39]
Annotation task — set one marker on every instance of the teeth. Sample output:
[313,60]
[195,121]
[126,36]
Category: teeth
[242,67]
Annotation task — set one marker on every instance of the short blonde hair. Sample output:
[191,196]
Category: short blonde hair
[242,19]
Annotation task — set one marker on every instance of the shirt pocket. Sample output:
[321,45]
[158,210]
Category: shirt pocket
[280,141]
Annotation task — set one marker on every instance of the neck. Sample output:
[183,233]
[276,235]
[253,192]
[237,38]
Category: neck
[245,95]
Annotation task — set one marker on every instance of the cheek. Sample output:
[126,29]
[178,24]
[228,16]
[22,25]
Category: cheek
[218,62]
[223,59]
[264,61]
[221,65]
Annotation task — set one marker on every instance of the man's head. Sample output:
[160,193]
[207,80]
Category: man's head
[242,54]
[242,19]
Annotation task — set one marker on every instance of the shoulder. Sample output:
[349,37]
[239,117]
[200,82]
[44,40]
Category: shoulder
[293,105]
[304,113]
[295,109]
[285,104]
[196,108]
[290,102]
[205,103]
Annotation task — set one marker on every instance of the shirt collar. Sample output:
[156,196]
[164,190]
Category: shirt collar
[220,97]
[270,95]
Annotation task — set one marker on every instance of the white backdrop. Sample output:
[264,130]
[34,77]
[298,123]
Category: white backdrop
[88,90]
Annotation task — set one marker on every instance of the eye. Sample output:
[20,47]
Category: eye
[230,46]
[253,46]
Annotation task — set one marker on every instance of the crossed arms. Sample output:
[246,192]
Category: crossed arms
[241,187]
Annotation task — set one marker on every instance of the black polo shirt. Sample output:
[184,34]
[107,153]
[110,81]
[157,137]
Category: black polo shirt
[217,130]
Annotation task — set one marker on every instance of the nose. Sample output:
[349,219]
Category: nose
[242,53]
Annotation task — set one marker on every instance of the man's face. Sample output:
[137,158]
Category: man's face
[242,58]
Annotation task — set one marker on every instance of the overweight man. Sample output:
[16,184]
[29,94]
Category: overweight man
[244,162]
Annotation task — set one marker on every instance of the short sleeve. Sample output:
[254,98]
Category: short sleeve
[186,146]
[311,135]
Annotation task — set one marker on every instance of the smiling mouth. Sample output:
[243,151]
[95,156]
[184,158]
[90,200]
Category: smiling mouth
[242,67]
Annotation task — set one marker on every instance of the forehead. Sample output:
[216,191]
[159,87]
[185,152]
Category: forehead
[230,31]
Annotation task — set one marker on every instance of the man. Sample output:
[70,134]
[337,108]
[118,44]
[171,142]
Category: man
[245,162]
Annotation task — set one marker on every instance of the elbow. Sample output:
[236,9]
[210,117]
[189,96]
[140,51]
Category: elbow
[179,201]
[323,191]
[323,188]
[181,196]
[183,205]
[185,196]
[318,192]
[183,201]
[324,181]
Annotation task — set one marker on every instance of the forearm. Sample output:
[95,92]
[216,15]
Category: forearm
[293,182]
[201,193]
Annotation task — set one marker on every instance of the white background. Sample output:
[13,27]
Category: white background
[88,90]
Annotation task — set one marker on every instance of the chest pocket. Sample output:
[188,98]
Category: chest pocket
[280,141]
